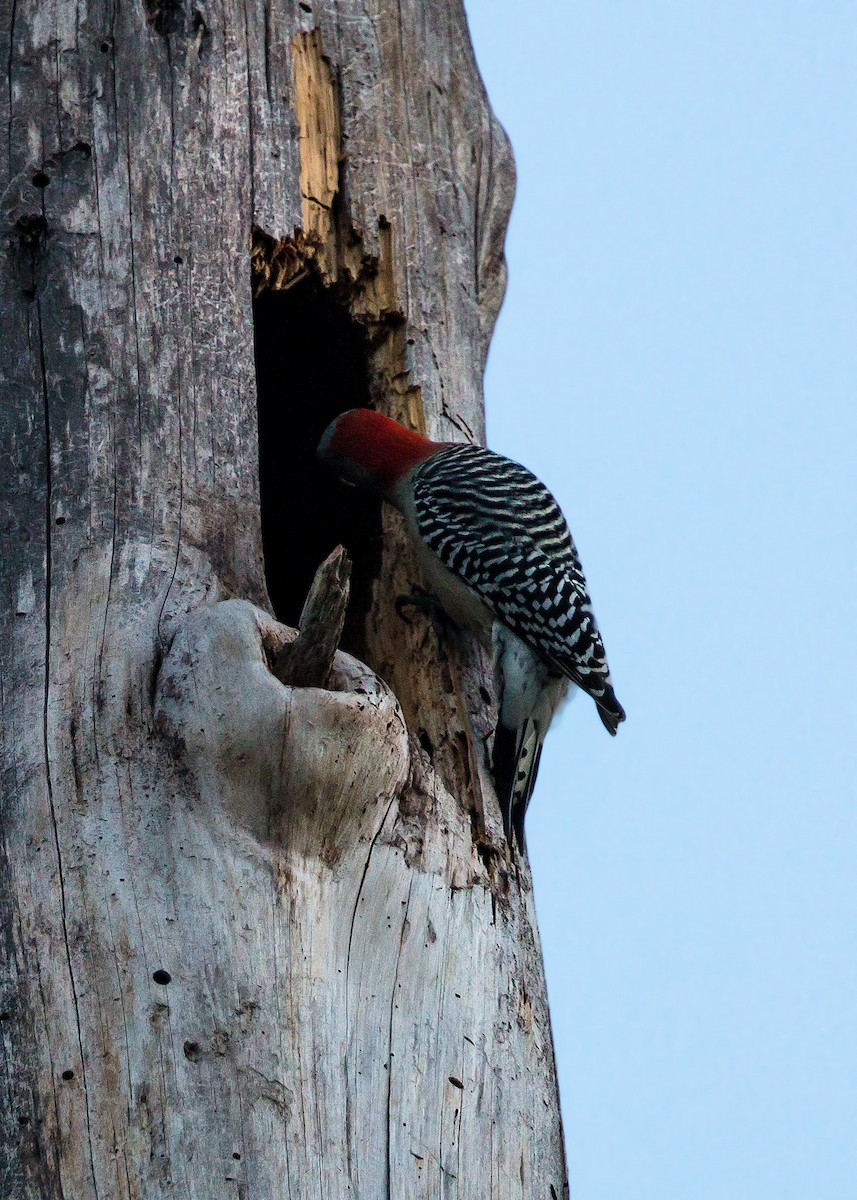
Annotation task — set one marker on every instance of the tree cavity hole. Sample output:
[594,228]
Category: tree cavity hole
[311,365]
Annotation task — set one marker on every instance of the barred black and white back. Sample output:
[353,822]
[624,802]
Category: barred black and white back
[497,527]
[494,524]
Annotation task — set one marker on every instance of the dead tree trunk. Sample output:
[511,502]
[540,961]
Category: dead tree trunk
[258,940]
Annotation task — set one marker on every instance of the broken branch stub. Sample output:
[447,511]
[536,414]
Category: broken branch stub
[307,661]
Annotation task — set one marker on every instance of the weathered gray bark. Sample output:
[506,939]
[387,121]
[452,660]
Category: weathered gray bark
[257,940]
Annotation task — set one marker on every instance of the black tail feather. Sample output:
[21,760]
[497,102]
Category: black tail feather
[504,763]
[520,806]
[610,711]
[516,757]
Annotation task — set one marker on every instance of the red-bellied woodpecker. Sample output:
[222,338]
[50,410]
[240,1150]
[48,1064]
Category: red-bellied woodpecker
[497,556]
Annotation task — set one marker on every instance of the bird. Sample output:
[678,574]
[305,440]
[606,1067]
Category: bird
[497,557]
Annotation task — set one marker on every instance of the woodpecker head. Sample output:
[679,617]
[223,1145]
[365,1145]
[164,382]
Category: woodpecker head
[373,451]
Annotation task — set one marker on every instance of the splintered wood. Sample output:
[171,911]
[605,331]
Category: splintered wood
[316,106]
[307,661]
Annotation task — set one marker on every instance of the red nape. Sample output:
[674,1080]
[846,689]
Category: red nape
[383,447]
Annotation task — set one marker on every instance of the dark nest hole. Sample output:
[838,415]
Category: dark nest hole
[311,365]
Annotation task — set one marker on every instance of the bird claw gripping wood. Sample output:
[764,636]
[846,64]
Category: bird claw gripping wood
[427,604]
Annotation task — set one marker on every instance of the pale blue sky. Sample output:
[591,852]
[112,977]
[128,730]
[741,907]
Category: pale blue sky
[677,359]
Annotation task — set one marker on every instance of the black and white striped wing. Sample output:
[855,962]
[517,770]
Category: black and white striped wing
[499,529]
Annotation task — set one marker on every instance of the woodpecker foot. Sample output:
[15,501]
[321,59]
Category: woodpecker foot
[427,604]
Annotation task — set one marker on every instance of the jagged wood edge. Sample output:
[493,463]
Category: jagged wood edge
[307,661]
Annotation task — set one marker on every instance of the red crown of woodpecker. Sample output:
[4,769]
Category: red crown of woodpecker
[372,450]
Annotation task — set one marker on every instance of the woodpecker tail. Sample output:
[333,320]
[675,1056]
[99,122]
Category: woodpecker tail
[610,711]
[516,763]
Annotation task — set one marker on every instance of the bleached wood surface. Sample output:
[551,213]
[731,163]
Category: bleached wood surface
[255,942]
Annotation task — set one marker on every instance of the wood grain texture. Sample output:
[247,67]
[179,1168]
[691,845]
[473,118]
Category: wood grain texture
[257,941]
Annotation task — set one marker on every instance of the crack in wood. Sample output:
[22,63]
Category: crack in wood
[45,730]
